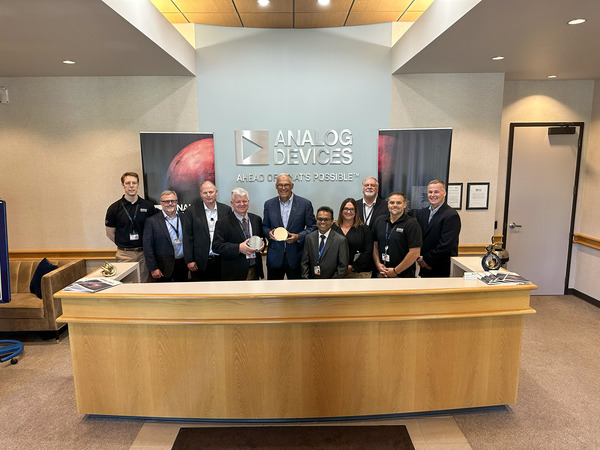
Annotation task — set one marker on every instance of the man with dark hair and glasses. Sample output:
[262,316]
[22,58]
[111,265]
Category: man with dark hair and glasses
[325,252]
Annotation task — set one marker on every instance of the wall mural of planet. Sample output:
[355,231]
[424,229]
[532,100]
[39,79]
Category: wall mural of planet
[194,164]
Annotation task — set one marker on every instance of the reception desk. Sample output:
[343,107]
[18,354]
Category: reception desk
[295,349]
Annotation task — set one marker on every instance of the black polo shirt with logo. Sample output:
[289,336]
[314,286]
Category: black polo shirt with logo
[128,218]
[400,237]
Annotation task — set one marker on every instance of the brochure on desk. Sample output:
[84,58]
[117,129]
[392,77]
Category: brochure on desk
[494,277]
[91,285]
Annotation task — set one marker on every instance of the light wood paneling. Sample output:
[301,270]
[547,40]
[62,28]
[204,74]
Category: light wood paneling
[350,354]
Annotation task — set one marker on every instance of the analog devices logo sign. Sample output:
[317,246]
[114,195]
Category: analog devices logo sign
[251,147]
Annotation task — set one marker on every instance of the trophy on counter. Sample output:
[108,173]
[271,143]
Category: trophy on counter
[491,260]
[108,269]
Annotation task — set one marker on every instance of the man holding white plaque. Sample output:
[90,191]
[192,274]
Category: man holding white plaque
[288,218]
[239,240]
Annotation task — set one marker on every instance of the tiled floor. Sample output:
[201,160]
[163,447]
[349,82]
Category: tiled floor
[426,433]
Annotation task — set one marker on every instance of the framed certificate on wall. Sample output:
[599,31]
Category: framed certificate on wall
[478,195]
[454,193]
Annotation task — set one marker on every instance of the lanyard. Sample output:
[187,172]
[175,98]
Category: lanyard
[367,218]
[134,214]
[388,234]
[175,229]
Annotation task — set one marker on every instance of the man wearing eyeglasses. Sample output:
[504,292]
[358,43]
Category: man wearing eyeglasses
[325,253]
[296,215]
[163,242]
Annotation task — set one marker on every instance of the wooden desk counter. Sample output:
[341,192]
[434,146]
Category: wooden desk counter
[295,349]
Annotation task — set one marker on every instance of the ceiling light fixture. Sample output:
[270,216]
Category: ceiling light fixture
[576,21]
[68,61]
[263,2]
[498,58]
[552,76]
[323,2]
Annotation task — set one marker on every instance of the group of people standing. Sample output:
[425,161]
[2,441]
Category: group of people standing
[212,241]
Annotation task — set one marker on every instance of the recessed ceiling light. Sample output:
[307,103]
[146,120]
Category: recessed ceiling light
[498,58]
[263,2]
[552,76]
[323,2]
[576,21]
[68,61]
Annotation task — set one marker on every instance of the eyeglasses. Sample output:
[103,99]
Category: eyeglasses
[348,209]
[283,186]
[171,202]
[323,219]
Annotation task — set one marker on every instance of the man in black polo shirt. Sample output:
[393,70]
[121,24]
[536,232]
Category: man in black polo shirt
[125,220]
[397,240]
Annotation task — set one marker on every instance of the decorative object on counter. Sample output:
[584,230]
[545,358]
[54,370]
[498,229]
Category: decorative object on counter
[108,269]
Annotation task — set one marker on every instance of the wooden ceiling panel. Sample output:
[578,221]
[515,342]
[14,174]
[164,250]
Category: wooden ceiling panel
[165,7]
[205,6]
[175,17]
[311,6]
[410,16]
[380,6]
[280,13]
[219,19]
[316,20]
[252,6]
[420,5]
[270,20]
[369,18]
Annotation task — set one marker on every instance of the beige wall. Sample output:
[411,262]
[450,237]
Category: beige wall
[585,261]
[65,143]
[471,104]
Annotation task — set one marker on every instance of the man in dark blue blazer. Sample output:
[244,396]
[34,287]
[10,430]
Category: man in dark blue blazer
[296,215]
[231,241]
[163,242]
[440,225]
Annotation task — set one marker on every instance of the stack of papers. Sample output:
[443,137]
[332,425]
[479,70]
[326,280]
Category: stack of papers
[91,284]
[496,277]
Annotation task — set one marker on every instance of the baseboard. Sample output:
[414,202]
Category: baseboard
[584,297]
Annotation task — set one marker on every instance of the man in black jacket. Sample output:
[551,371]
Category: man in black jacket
[440,225]
[241,259]
[199,227]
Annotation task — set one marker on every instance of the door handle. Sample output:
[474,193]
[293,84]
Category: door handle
[514,225]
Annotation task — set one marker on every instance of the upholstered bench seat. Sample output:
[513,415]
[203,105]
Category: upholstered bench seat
[23,306]
[26,311]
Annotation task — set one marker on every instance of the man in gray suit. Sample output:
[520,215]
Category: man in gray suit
[325,253]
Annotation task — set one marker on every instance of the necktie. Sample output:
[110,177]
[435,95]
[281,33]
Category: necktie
[322,244]
[430,215]
[245,227]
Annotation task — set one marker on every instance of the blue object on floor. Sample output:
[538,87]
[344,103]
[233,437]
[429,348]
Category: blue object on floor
[10,348]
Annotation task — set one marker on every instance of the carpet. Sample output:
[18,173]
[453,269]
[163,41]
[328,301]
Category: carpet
[297,437]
